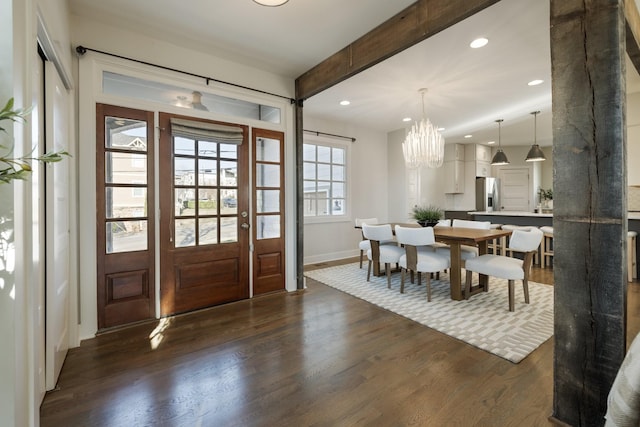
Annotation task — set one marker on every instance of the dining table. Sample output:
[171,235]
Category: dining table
[455,237]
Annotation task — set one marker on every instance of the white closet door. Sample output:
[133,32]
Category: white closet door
[514,189]
[57,111]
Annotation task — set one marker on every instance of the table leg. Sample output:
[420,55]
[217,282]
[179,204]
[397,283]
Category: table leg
[483,279]
[455,273]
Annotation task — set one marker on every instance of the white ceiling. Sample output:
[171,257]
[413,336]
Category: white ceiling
[468,89]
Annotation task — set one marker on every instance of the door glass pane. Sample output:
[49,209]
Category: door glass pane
[268,201]
[184,171]
[125,134]
[268,150]
[208,231]
[228,230]
[229,202]
[126,202]
[185,233]
[125,236]
[208,172]
[268,227]
[207,202]
[268,175]
[125,168]
[228,174]
[184,146]
[228,151]
[185,205]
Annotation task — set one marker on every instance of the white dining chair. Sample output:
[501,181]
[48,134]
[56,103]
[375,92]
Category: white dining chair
[466,251]
[381,253]
[418,261]
[364,244]
[505,267]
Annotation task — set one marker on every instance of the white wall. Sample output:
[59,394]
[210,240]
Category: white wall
[633,138]
[369,196]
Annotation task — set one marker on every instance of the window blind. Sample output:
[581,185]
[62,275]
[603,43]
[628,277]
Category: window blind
[207,131]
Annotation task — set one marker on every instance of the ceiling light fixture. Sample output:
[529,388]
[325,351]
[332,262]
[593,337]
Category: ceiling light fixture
[345,102]
[271,3]
[406,119]
[535,153]
[500,158]
[479,42]
[196,103]
[468,136]
[535,82]
[423,145]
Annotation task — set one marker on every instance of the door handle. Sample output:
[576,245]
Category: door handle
[245,225]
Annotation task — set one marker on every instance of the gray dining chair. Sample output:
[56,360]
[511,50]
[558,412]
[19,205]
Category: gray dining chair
[505,267]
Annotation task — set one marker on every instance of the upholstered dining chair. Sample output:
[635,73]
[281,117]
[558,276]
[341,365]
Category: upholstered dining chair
[419,261]
[364,244]
[466,251]
[381,253]
[504,267]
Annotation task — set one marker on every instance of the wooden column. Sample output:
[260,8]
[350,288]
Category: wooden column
[299,196]
[590,217]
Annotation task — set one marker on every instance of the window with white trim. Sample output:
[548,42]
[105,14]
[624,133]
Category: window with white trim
[325,180]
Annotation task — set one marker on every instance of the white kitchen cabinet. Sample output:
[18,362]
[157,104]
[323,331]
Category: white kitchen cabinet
[483,168]
[454,176]
[483,153]
[453,152]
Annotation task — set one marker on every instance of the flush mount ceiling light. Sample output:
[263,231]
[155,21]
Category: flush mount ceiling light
[500,158]
[345,102]
[424,145]
[535,82]
[479,42]
[535,153]
[271,3]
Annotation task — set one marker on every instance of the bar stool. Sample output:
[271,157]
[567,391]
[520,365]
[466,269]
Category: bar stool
[632,271]
[495,244]
[547,246]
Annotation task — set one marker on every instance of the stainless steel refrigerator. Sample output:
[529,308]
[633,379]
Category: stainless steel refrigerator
[487,194]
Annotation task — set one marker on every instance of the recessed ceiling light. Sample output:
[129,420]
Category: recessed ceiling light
[479,42]
[345,102]
[271,2]
[491,142]
[440,129]
[468,136]
[406,119]
[535,82]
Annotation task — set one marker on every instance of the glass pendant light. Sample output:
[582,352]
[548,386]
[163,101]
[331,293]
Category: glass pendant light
[500,158]
[535,153]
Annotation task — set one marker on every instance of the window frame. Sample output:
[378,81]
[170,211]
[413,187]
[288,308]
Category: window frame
[346,146]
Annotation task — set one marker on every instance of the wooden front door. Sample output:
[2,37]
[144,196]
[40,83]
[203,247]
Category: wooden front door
[268,217]
[125,215]
[204,205]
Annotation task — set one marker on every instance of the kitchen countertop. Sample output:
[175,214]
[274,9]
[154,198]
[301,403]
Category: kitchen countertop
[630,215]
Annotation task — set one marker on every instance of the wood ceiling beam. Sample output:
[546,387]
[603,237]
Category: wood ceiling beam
[632,20]
[414,24]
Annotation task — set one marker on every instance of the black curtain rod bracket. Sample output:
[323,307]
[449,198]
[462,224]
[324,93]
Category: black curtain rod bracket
[81,50]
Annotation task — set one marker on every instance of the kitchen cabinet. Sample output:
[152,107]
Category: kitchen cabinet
[454,176]
[483,160]
[453,152]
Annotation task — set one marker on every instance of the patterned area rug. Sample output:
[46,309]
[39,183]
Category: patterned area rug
[483,321]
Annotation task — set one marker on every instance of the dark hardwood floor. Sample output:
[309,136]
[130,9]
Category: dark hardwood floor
[315,357]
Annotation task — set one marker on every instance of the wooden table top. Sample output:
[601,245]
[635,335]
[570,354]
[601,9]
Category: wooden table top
[468,234]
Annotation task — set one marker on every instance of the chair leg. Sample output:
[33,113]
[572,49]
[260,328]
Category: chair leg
[428,286]
[369,271]
[361,257]
[387,270]
[467,285]
[512,306]
[402,273]
[525,288]
[420,278]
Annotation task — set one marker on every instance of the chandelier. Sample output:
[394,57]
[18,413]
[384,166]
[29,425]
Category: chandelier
[423,145]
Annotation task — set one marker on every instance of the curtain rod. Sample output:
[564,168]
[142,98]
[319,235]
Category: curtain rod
[81,50]
[318,133]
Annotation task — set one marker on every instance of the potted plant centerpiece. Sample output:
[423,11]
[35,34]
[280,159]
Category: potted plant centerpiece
[427,216]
